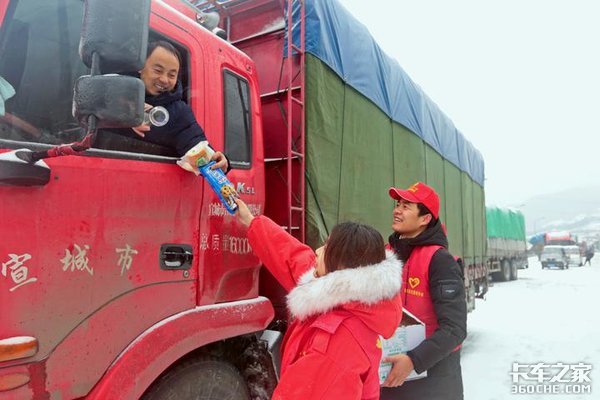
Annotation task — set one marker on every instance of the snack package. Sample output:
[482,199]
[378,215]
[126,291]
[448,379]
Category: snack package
[221,185]
[196,157]
[197,160]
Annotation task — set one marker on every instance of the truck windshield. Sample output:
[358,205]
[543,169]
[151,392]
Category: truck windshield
[39,62]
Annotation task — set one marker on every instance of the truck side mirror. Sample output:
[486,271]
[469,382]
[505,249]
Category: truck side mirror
[116,101]
[117,30]
[114,38]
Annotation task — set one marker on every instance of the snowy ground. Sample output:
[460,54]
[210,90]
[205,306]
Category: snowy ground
[547,316]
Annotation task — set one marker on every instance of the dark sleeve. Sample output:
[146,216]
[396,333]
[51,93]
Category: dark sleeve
[190,133]
[447,289]
[186,131]
[182,132]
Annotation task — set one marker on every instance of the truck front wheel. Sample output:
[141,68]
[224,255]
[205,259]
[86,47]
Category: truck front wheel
[199,379]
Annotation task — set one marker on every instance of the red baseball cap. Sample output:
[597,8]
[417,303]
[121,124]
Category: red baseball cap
[419,193]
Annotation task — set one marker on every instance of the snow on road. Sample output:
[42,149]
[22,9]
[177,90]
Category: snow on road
[548,316]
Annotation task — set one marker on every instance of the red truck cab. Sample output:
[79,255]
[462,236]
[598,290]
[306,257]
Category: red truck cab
[122,264]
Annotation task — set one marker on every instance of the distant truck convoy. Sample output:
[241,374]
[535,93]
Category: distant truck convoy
[567,242]
[507,247]
[557,249]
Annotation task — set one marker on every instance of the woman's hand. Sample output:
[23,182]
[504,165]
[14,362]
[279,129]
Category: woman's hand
[242,213]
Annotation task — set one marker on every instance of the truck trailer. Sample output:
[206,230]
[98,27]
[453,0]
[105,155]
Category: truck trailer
[123,276]
[506,243]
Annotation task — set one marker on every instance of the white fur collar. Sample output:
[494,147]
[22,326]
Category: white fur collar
[369,285]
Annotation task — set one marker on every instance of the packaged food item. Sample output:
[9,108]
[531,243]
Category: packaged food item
[197,160]
[196,157]
[221,185]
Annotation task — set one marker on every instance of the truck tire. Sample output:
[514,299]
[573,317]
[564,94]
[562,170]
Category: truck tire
[504,274]
[514,270]
[199,379]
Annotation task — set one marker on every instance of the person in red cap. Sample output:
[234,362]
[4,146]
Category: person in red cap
[432,290]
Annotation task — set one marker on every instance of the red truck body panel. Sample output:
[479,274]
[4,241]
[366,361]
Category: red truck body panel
[3,6]
[560,238]
[154,351]
[90,242]
[258,28]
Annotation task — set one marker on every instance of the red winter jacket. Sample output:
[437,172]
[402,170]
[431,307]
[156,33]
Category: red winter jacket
[330,350]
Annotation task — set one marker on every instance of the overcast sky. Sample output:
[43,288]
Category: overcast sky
[520,79]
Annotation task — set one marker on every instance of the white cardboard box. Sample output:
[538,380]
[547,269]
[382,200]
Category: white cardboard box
[409,335]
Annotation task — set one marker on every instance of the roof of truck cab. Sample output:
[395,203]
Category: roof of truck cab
[186,14]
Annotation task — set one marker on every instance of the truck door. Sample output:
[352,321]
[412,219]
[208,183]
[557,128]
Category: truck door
[109,246]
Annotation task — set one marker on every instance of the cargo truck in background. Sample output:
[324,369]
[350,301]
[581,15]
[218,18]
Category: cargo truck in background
[506,243]
[123,276]
[568,243]
[560,238]
[565,239]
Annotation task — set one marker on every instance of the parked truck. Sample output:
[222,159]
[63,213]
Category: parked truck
[506,243]
[560,238]
[568,244]
[123,276]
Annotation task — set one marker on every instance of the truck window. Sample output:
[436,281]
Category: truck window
[39,59]
[238,122]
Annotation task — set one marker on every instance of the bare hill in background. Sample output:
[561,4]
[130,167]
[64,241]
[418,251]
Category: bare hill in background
[576,210]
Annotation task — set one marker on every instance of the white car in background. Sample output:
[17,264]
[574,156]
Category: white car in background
[554,257]
[574,255]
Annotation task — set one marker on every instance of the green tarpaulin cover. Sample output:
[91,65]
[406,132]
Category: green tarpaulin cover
[505,223]
[355,152]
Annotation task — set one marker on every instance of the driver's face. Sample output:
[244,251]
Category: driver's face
[160,71]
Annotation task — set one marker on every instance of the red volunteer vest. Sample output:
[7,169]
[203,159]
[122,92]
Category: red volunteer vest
[416,297]
[415,287]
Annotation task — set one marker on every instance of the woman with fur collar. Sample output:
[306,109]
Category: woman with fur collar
[341,299]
